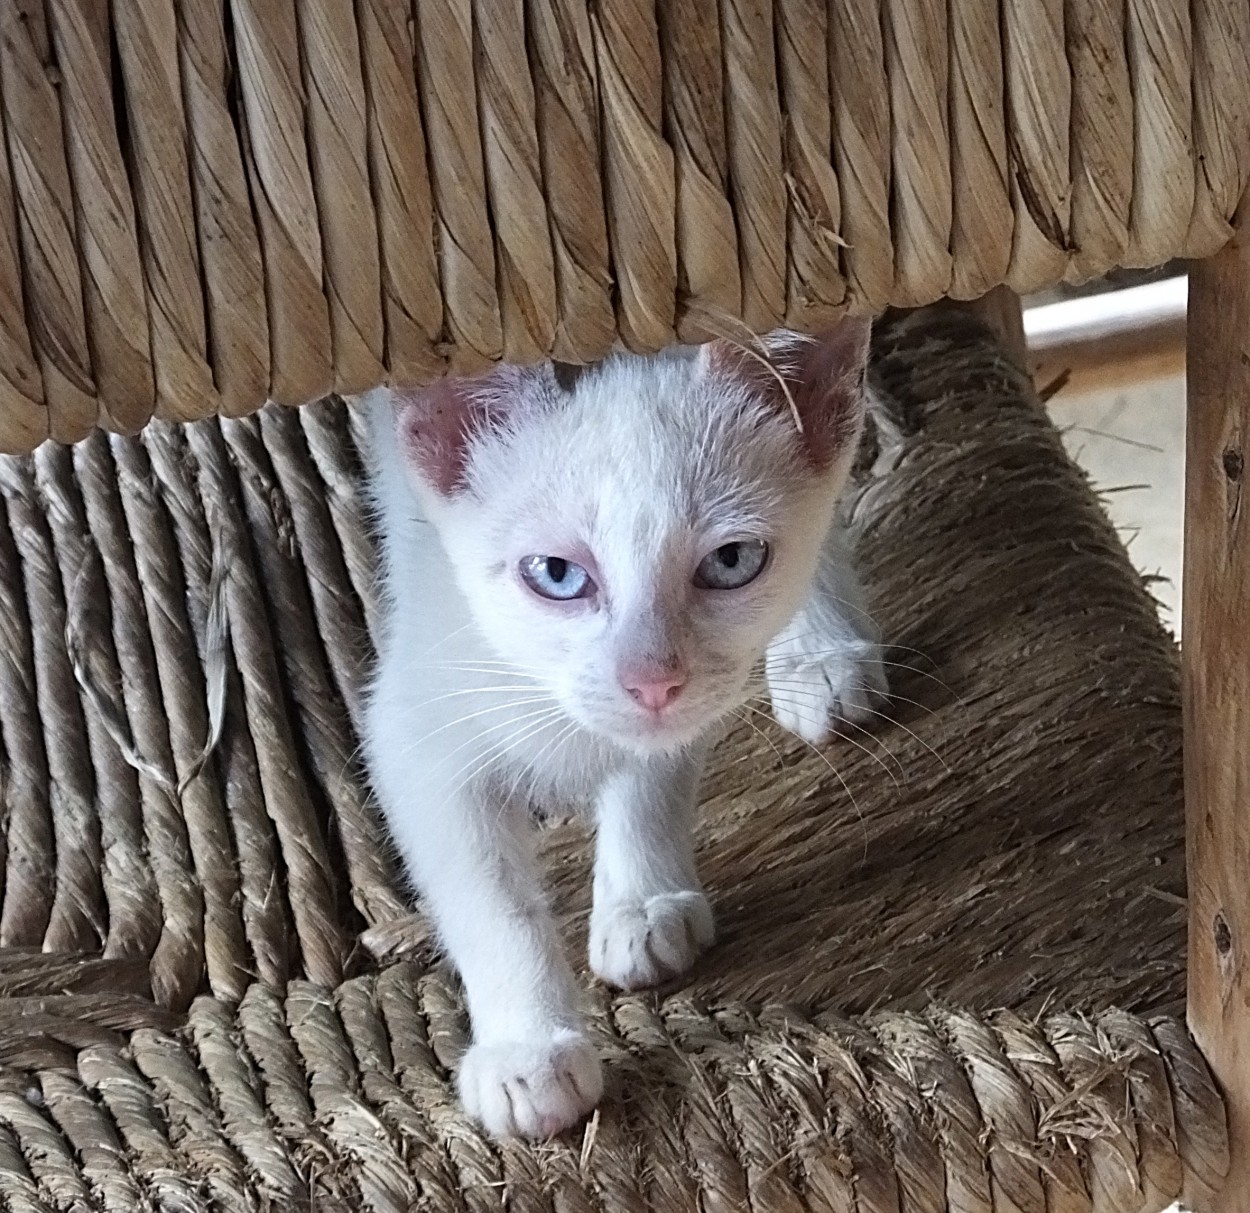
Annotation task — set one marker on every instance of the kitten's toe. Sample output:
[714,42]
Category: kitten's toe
[531,1088]
[634,944]
[810,696]
[858,687]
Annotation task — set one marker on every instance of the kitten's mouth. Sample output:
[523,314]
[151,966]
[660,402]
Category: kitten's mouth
[659,724]
[670,729]
[647,733]
[659,738]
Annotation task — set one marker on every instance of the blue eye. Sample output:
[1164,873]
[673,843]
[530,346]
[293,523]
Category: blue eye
[732,565]
[556,578]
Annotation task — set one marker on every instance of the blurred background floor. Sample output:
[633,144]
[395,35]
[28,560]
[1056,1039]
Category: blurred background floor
[1131,440]
[1111,363]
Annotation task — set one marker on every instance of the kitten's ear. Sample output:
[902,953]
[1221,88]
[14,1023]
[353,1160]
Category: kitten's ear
[823,377]
[436,425]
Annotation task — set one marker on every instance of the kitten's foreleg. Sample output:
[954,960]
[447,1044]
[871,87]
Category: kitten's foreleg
[650,919]
[826,665]
[531,1070]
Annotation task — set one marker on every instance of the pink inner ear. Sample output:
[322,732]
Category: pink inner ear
[830,395]
[825,377]
[435,426]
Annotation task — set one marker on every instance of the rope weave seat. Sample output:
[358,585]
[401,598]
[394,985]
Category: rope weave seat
[207,204]
[341,1099]
[950,964]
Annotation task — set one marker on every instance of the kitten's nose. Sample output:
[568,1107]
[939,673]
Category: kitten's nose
[655,688]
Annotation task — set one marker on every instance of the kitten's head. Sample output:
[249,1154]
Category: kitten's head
[634,539]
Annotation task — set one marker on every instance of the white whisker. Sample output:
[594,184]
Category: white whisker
[836,774]
[486,732]
[859,746]
[814,656]
[772,745]
[486,711]
[482,690]
[497,753]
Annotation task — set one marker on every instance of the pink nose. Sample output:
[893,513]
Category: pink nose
[655,693]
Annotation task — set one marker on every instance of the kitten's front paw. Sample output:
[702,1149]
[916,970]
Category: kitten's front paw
[643,943]
[531,1088]
[812,688]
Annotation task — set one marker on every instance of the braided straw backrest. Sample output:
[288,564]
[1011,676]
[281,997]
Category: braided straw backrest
[208,203]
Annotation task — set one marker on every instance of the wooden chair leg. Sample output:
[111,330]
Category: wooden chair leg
[1001,310]
[1216,656]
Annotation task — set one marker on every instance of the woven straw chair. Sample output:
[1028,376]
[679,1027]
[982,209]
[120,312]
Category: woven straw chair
[964,989]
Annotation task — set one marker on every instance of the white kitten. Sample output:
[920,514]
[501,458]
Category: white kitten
[580,583]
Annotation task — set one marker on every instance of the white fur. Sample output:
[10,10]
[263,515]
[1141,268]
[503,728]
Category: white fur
[487,698]
[825,665]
